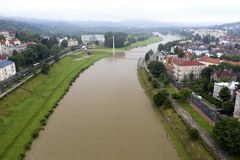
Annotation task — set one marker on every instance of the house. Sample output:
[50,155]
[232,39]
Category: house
[7,69]
[226,73]
[207,61]
[93,38]
[198,50]
[236,113]
[232,86]
[182,69]
[72,42]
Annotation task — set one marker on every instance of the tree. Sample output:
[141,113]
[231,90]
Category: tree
[64,44]
[147,57]
[206,72]
[167,103]
[185,93]
[211,87]
[228,106]
[160,47]
[119,39]
[191,76]
[2,37]
[45,68]
[160,97]
[194,133]
[156,68]
[225,94]
[227,133]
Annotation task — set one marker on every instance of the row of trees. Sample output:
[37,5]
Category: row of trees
[119,39]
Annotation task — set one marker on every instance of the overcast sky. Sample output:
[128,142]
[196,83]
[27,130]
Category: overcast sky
[116,10]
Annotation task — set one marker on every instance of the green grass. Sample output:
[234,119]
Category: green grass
[175,126]
[143,43]
[197,117]
[22,110]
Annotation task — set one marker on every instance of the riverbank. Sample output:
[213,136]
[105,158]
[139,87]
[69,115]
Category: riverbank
[24,112]
[176,128]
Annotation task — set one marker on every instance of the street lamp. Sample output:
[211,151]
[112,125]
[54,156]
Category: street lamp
[191,97]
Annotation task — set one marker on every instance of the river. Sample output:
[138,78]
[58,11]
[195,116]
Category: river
[106,116]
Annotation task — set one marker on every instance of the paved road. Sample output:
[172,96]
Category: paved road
[204,135]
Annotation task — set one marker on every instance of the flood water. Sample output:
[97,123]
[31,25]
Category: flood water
[105,116]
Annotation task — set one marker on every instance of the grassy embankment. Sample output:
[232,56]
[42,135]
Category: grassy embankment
[24,112]
[174,125]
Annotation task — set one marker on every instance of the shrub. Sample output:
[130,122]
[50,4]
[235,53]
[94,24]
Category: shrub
[176,96]
[155,83]
[194,133]
[166,82]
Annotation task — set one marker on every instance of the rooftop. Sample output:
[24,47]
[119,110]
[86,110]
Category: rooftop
[210,60]
[5,63]
[182,62]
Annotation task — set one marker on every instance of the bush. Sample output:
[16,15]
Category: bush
[167,103]
[176,96]
[155,83]
[160,97]
[166,82]
[194,133]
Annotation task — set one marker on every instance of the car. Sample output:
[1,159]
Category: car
[199,97]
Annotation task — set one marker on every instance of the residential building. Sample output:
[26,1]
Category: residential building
[232,86]
[236,113]
[182,69]
[72,42]
[232,39]
[198,50]
[226,73]
[93,38]
[207,61]
[7,69]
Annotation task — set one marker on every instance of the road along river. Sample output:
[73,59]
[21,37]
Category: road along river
[106,116]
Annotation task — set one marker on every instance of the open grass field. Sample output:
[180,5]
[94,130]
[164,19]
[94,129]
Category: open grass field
[22,111]
[175,127]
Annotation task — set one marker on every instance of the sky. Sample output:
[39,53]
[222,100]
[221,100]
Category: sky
[189,11]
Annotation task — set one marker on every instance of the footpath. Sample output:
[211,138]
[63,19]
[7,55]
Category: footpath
[218,152]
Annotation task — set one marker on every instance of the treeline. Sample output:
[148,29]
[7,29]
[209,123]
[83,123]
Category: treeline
[231,57]
[123,39]
[167,46]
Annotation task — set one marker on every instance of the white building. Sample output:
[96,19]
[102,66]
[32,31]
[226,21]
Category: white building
[232,86]
[198,50]
[7,69]
[236,113]
[72,42]
[182,68]
[93,38]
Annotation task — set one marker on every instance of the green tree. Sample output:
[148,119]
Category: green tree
[227,134]
[2,37]
[191,76]
[160,47]
[119,39]
[167,103]
[147,57]
[206,72]
[228,106]
[211,87]
[185,93]
[64,44]
[225,94]
[45,68]
[156,68]
[160,97]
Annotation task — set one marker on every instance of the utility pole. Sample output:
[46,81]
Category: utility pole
[113,46]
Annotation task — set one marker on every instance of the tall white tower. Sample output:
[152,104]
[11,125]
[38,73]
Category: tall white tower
[113,46]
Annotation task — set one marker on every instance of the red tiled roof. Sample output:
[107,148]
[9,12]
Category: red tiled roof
[2,57]
[231,62]
[210,60]
[181,62]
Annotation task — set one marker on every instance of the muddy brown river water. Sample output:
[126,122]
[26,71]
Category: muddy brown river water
[106,116]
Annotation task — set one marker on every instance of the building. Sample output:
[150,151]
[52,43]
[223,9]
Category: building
[7,69]
[5,33]
[207,61]
[72,42]
[198,50]
[226,73]
[232,39]
[182,69]
[93,38]
[232,86]
[236,113]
